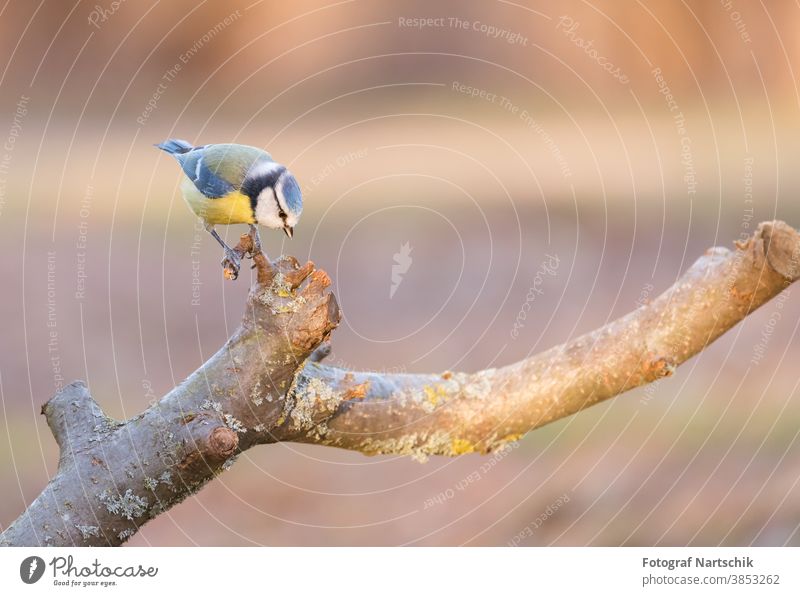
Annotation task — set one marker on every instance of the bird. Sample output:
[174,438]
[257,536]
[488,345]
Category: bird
[228,183]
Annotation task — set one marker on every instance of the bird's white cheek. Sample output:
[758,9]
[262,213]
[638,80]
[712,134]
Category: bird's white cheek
[267,210]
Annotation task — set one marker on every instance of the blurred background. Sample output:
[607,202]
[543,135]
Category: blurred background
[571,160]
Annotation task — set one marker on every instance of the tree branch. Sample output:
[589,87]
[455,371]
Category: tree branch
[266,384]
[114,476]
[455,413]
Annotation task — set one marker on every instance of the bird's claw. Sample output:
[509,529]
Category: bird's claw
[256,240]
[231,263]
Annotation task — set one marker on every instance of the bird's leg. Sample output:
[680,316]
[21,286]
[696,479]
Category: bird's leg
[256,238]
[231,260]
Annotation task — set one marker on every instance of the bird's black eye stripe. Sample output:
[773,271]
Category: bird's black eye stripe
[281,212]
[252,186]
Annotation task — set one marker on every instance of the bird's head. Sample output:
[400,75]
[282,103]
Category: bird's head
[279,201]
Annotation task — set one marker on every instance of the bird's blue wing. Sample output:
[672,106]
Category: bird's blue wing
[221,168]
[204,178]
[217,169]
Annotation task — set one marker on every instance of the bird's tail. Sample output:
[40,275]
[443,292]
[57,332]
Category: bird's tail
[175,146]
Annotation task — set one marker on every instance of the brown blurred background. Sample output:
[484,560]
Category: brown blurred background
[562,151]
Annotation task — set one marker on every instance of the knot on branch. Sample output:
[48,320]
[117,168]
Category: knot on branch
[76,420]
[223,443]
[211,452]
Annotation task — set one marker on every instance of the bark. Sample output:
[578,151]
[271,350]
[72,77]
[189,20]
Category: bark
[267,384]
[114,476]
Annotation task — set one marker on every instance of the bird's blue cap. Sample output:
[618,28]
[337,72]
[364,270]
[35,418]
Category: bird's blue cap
[292,194]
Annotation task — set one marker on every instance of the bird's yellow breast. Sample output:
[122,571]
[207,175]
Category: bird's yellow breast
[233,208]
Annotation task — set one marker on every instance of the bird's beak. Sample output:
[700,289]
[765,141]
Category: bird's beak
[289,231]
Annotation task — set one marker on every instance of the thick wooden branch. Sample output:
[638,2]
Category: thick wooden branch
[114,476]
[267,384]
[455,413]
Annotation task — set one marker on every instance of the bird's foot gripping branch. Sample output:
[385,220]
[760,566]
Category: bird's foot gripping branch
[266,384]
[249,246]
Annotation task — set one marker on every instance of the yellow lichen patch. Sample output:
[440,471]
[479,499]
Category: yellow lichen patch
[434,395]
[418,445]
[404,445]
[461,446]
[494,444]
[280,288]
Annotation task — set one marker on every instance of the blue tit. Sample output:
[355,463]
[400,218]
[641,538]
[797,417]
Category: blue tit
[230,184]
